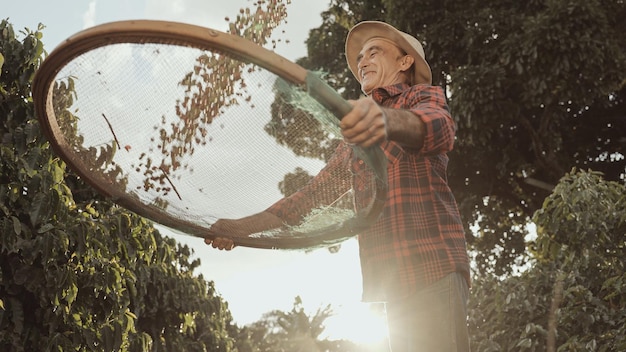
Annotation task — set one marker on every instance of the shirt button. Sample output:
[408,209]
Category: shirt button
[360,162]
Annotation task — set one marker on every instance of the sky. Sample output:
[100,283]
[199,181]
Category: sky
[252,281]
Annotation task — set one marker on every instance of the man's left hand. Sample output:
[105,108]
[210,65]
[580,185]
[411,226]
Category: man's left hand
[364,125]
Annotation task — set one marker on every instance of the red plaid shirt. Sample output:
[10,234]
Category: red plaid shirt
[419,237]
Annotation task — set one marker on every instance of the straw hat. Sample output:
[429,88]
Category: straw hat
[366,30]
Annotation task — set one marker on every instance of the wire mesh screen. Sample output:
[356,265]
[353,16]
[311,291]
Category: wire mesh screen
[188,136]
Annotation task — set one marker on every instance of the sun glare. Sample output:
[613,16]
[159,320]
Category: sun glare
[357,323]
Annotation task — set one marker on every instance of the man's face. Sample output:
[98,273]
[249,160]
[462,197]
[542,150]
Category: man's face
[380,63]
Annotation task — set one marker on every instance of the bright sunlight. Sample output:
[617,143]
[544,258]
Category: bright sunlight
[358,323]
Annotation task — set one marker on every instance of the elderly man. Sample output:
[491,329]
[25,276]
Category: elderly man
[414,258]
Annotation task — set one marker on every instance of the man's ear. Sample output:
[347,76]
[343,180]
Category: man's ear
[407,62]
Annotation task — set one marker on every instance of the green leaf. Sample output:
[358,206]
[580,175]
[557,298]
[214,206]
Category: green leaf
[45,228]
[70,294]
[525,343]
[17,225]
[107,336]
[39,209]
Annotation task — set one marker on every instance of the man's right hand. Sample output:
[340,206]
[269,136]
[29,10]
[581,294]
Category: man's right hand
[222,232]
[220,243]
[225,227]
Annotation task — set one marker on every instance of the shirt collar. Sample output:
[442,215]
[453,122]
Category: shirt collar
[382,93]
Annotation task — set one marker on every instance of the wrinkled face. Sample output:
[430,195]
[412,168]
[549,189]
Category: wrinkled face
[381,63]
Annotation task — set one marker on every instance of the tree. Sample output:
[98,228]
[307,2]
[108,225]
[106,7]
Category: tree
[536,88]
[572,296]
[294,331]
[76,271]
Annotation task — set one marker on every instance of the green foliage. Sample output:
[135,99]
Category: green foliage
[78,273]
[575,291]
[537,87]
[585,218]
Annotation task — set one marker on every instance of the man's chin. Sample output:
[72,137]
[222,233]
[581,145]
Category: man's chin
[366,88]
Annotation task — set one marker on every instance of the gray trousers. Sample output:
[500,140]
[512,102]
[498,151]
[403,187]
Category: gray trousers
[432,320]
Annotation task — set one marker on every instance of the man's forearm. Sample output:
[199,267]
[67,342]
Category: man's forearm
[404,128]
[262,221]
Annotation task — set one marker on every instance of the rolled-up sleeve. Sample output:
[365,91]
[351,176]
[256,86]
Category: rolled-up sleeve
[429,104]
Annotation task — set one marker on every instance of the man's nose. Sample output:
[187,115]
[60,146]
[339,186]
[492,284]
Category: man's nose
[362,63]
